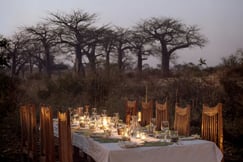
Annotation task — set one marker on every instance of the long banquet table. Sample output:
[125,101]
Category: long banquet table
[186,151]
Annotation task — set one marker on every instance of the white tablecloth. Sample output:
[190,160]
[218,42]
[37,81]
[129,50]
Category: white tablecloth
[187,151]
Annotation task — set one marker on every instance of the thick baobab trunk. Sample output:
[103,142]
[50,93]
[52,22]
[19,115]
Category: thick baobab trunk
[48,61]
[120,63]
[107,63]
[13,66]
[92,59]
[165,65]
[78,65]
[165,61]
[140,63]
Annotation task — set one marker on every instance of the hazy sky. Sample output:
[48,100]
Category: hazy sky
[219,20]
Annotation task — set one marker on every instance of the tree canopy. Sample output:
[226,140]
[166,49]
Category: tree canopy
[171,35]
[76,36]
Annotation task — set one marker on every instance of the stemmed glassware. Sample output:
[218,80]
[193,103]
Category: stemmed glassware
[93,114]
[174,136]
[165,126]
[93,111]
[103,112]
[165,130]
[153,124]
[116,119]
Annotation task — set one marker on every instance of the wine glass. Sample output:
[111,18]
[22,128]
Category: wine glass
[174,136]
[165,130]
[104,112]
[93,111]
[153,124]
[165,126]
[116,119]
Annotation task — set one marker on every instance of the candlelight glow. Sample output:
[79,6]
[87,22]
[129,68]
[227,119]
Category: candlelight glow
[139,116]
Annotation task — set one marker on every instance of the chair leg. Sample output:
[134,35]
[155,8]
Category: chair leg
[24,157]
[78,155]
[90,159]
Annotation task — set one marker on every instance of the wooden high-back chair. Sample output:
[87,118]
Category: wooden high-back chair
[212,124]
[28,131]
[161,113]
[131,109]
[24,120]
[147,112]
[182,120]
[46,135]
[65,142]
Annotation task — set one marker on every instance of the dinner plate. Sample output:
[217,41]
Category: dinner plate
[188,138]
[127,144]
[97,135]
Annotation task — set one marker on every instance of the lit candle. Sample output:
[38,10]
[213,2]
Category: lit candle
[139,116]
[138,135]
[105,123]
[143,136]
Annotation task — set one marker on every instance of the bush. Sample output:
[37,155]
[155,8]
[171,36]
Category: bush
[8,94]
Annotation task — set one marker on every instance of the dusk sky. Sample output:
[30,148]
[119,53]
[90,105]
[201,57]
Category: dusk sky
[220,21]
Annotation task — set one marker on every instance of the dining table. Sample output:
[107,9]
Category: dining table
[113,149]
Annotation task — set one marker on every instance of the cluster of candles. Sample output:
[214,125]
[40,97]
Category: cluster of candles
[107,123]
[94,121]
[133,130]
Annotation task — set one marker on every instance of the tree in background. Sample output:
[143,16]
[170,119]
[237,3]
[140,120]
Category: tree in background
[71,30]
[233,60]
[141,47]
[92,49]
[171,35]
[44,36]
[3,57]
[16,51]
[108,46]
[122,45]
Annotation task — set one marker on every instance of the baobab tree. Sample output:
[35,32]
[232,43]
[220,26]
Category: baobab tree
[141,47]
[3,56]
[122,44]
[71,30]
[16,51]
[171,35]
[108,46]
[44,35]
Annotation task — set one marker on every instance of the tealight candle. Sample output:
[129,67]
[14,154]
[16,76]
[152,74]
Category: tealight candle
[143,136]
[138,135]
[139,116]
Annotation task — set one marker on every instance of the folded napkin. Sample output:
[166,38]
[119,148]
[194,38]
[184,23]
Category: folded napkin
[158,143]
[128,144]
[106,140]
[84,132]
[192,137]
[97,135]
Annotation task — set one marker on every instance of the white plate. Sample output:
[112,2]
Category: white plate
[187,138]
[127,144]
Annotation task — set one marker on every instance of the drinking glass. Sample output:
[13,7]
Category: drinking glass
[174,135]
[165,126]
[165,130]
[104,112]
[80,111]
[93,111]
[153,124]
[116,119]
[163,137]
